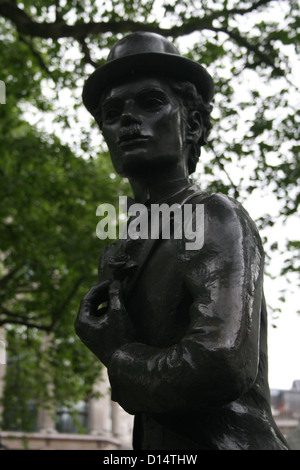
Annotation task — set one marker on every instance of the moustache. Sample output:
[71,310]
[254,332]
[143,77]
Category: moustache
[129,131]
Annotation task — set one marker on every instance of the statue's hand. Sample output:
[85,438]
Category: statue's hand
[107,329]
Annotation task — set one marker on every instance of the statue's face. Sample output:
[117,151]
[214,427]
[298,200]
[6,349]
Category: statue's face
[143,126]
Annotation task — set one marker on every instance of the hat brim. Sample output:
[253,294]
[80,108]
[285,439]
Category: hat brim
[150,63]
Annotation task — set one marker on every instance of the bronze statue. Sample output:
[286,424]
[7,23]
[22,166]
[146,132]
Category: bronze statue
[184,331]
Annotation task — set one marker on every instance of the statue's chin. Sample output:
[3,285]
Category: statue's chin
[141,164]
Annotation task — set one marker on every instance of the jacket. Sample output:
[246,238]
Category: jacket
[196,376]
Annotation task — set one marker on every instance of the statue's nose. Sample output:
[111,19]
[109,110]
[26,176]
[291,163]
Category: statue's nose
[130,114]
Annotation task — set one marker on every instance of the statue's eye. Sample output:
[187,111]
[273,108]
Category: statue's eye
[111,113]
[111,109]
[152,103]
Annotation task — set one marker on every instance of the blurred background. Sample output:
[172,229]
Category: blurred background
[55,170]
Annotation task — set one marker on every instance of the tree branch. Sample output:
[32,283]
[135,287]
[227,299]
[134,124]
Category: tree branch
[8,313]
[86,53]
[59,29]
[80,31]
[222,167]
[36,54]
[5,279]
[235,35]
[29,324]
[244,11]
[16,319]
[63,306]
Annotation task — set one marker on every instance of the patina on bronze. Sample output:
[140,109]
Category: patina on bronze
[184,333]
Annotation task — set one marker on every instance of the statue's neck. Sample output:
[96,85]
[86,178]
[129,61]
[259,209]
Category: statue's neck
[158,191]
[159,186]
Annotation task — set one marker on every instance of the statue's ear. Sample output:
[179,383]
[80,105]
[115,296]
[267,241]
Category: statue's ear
[194,127]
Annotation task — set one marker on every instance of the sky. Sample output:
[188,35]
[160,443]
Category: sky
[284,327]
[284,350]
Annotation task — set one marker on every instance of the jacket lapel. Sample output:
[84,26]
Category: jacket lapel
[140,251]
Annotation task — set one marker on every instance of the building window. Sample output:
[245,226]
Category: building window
[72,420]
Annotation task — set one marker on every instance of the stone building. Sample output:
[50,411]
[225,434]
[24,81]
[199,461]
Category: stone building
[108,426]
[286,411]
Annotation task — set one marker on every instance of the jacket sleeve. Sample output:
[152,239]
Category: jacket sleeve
[216,361]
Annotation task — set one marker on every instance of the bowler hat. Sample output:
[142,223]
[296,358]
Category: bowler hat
[146,53]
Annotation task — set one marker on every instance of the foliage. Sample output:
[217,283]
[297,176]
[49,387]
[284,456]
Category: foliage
[54,168]
[49,251]
[49,255]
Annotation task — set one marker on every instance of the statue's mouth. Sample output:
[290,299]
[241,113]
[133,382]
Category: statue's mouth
[129,135]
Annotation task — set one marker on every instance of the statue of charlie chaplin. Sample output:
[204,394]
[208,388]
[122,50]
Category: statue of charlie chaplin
[184,332]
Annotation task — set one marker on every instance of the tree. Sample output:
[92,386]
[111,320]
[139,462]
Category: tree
[53,180]
[48,215]
[45,192]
